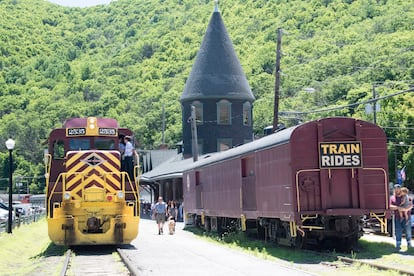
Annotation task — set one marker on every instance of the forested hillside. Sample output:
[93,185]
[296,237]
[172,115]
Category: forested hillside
[129,58]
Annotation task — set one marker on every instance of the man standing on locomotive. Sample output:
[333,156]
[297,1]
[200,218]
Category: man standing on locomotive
[399,222]
[128,157]
[122,151]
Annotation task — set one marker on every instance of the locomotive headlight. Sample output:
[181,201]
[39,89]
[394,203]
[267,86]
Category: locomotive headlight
[120,194]
[66,196]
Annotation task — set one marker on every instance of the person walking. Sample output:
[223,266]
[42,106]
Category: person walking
[160,210]
[172,210]
[400,223]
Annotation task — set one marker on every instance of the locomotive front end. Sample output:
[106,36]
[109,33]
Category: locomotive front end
[91,201]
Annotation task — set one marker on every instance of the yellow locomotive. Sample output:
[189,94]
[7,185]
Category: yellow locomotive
[90,200]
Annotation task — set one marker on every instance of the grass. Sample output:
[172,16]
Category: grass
[24,251]
[28,251]
[377,252]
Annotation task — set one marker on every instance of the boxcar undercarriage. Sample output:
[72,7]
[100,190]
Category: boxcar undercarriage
[321,232]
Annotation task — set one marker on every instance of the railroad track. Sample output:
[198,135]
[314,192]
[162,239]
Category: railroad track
[346,261]
[97,260]
[376,265]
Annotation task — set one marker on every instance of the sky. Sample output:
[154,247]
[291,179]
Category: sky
[80,3]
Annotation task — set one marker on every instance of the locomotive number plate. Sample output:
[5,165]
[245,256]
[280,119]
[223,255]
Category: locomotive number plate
[340,155]
[75,131]
[107,131]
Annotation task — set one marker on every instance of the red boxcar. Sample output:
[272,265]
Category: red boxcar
[308,183]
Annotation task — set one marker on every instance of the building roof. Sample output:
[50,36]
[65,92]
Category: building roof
[174,167]
[217,72]
[153,158]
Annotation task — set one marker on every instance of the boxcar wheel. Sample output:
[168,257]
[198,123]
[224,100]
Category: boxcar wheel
[300,242]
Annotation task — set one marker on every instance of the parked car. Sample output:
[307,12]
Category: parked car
[4,206]
[20,211]
[4,215]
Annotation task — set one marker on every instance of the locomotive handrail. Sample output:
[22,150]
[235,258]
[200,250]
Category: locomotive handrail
[104,175]
[136,168]
[136,174]
[133,191]
[125,175]
[49,199]
[62,177]
[64,182]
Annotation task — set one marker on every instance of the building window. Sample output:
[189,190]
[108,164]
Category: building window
[224,144]
[224,112]
[247,114]
[199,111]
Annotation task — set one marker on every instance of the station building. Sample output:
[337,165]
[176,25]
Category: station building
[218,90]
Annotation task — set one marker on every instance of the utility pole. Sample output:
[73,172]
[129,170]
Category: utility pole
[277,79]
[163,125]
[374,103]
[194,133]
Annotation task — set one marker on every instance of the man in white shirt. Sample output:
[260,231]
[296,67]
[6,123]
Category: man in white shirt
[128,157]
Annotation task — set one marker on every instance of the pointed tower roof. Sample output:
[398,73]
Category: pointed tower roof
[217,72]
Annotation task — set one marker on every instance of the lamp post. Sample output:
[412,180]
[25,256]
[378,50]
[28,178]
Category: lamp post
[10,146]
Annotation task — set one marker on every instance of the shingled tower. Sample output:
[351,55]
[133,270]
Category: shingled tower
[218,89]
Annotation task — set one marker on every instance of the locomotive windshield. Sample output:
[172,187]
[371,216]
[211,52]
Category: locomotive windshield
[104,144]
[79,144]
[97,143]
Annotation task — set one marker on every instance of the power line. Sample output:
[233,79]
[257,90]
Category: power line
[23,177]
[349,105]
[399,128]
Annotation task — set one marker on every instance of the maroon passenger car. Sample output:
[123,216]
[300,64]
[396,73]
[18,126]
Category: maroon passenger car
[308,183]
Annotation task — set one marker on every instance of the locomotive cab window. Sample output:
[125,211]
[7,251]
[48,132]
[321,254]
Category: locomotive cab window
[58,150]
[104,144]
[79,144]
